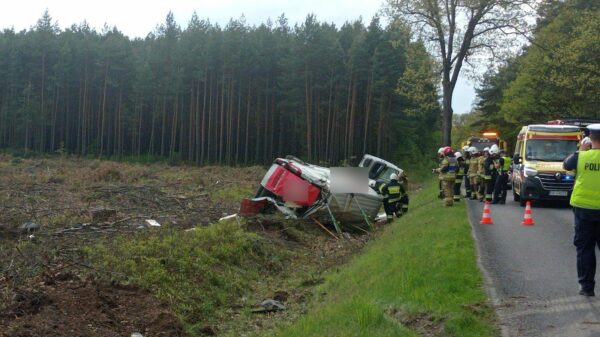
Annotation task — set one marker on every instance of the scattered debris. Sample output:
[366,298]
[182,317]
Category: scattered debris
[152,223]
[137,334]
[29,227]
[269,305]
[380,217]
[228,217]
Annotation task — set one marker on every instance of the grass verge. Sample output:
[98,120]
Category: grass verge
[197,272]
[418,278]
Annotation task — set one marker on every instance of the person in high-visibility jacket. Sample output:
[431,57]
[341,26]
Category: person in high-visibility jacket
[460,173]
[585,200]
[491,173]
[447,175]
[472,173]
[503,164]
[481,174]
[392,194]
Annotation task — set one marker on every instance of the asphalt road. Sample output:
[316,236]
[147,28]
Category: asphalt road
[531,271]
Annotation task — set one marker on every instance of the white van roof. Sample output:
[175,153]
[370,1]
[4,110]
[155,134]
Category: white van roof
[553,128]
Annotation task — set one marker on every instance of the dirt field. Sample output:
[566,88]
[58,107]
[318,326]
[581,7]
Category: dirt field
[51,208]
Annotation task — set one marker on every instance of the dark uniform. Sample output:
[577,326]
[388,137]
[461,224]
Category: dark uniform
[392,193]
[585,200]
[460,173]
[402,206]
[489,176]
[466,174]
[500,187]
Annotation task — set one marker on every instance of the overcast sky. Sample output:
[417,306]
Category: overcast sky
[136,18]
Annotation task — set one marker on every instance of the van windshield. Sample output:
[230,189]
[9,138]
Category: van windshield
[380,171]
[549,149]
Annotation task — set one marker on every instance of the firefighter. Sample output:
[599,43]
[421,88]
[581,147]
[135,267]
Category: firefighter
[481,174]
[460,173]
[402,206]
[490,172]
[473,166]
[503,167]
[391,193]
[467,156]
[447,175]
[585,200]
[440,156]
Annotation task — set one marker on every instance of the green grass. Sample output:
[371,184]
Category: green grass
[423,265]
[199,273]
[232,192]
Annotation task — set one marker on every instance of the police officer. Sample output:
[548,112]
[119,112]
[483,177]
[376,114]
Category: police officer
[391,195]
[472,173]
[490,172]
[460,173]
[447,175]
[585,200]
[503,167]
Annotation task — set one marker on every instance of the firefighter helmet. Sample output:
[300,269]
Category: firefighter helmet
[458,155]
[494,149]
[393,176]
[448,150]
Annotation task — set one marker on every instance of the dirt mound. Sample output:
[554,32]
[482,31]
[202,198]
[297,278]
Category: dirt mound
[87,309]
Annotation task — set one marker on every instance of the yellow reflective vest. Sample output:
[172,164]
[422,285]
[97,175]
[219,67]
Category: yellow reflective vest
[586,192]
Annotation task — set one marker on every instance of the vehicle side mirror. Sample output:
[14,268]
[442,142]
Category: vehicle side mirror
[517,159]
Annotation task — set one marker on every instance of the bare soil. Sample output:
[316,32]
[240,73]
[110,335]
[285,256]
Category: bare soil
[47,289]
[75,308]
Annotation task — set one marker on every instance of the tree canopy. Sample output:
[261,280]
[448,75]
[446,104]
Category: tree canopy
[460,31]
[557,76]
[210,94]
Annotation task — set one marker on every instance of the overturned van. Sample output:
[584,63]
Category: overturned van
[302,190]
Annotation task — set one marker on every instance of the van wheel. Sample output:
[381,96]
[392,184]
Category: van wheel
[522,202]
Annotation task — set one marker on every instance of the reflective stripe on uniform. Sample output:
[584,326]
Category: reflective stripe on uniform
[394,190]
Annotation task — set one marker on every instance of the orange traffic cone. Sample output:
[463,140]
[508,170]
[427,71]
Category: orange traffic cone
[527,218]
[486,218]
